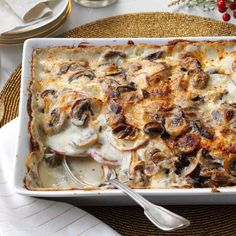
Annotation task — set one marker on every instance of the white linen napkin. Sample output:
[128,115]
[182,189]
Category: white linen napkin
[27,216]
[21,13]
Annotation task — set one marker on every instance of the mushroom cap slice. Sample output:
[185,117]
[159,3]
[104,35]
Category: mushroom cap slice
[127,145]
[154,128]
[124,131]
[199,79]
[188,143]
[85,109]
[176,126]
[54,121]
[86,73]
[189,170]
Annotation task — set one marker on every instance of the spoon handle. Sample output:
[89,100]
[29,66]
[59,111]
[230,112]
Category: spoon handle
[159,216]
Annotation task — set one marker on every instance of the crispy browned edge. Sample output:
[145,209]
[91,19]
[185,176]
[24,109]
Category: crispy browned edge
[34,145]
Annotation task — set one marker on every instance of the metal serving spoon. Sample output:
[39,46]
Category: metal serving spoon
[159,216]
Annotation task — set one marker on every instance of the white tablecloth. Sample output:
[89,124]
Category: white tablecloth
[11,55]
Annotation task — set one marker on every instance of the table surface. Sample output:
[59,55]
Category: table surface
[11,55]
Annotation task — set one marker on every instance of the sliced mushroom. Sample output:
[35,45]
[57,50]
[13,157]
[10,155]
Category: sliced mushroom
[199,79]
[152,153]
[154,56]
[55,122]
[64,68]
[110,69]
[156,155]
[150,169]
[86,73]
[230,164]
[176,124]
[229,114]
[78,64]
[114,53]
[189,62]
[181,163]
[126,144]
[72,66]
[126,88]
[137,176]
[115,107]
[188,143]
[192,169]
[80,112]
[83,109]
[139,165]
[154,128]
[226,114]
[114,115]
[208,160]
[199,182]
[115,80]
[216,177]
[48,92]
[197,98]
[124,131]
[205,132]
[146,94]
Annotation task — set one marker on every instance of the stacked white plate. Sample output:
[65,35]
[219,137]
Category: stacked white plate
[61,10]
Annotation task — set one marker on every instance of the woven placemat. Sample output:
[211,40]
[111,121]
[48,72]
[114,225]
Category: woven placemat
[205,220]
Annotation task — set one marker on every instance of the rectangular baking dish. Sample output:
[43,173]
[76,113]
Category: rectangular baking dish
[225,195]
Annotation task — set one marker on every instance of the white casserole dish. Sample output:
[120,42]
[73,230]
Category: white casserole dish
[102,197]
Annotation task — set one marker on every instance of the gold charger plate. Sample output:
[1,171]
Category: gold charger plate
[205,220]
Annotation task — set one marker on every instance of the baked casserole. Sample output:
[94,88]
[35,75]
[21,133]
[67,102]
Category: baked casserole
[160,116]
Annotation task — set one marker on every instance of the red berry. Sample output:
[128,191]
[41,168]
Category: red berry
[232,6]
[234,14]
[221,4]
[222,10]
[226,17]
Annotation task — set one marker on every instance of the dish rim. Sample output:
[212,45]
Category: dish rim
[23,136]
